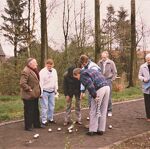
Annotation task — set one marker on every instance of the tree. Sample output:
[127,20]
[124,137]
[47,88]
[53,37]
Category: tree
[132,78]
[65,23]
[14,26]
[109,26]
[97,29]
[30,35]
[44,44]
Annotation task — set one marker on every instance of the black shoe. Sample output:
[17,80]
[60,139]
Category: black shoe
[43,125]
[52,122]
[91,133]
[100,133]
[79,122]
[38,126]
[28,129]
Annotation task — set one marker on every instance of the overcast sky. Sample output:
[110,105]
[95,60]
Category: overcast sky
[55,32]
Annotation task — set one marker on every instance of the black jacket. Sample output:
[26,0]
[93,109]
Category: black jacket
[71,85]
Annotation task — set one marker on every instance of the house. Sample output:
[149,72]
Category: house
[2,55]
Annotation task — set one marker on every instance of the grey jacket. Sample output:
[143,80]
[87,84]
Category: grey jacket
[29,81]
[144,75]
[110,71]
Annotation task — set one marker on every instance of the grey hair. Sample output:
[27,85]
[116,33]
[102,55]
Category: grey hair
[147,56]
[76,71]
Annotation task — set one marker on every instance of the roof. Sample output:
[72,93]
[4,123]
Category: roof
[1,51]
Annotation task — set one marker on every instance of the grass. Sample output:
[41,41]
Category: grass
[11,107]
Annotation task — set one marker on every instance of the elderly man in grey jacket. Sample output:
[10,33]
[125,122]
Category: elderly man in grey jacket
[109,70]
[144,76]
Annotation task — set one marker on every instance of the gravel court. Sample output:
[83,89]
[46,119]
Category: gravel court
[127,121]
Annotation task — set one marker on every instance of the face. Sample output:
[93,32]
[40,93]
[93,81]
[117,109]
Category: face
[49,66]
[148,60]
[83,64]
[104,56]
[33,64]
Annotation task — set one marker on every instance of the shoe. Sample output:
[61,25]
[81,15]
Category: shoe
[28,129]
[100,133]
[87,118]
[79,122]
[91,133]
[52,122]
[109,114]
[43,125]
[66,123]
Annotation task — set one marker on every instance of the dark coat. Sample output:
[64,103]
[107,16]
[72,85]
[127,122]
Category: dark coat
[71,85]
[29,80]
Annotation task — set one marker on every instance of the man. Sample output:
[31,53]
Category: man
[72,88]
[30,92]
[99,90]
[86,63]
[49,87]
[109,70]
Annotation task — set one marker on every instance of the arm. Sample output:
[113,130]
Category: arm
[114,71]
[56,82]
[41,74]
[24,81]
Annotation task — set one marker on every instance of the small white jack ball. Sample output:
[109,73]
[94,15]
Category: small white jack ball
[36,135]
[110,126]
[59,129]
[76,129]
[70,131]
[49,130]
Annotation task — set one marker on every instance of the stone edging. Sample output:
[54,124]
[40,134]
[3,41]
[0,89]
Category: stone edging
[121,141]
[115,103]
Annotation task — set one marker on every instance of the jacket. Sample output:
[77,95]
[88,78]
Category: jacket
[110,71]
[71,85]
[28,81]
[144,74]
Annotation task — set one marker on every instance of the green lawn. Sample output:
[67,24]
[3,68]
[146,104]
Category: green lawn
[11,107]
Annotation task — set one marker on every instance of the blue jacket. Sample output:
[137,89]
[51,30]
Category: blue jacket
[92,80]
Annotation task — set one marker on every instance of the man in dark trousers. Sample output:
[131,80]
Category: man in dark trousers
[30,93]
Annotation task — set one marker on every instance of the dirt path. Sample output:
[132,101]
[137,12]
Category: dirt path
[128,120]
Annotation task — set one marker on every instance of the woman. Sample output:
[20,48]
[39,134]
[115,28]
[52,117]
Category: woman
[144,76]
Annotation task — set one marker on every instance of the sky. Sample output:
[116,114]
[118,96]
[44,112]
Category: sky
[55,32]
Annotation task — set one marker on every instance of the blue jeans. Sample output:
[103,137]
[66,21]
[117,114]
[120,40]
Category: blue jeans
[47,103]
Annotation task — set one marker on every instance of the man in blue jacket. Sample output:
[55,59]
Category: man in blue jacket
[99,90]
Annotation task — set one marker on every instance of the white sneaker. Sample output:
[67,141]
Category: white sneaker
[109,114]
[87,118]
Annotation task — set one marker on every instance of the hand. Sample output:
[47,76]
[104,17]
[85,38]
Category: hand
[97,99]
[30,90]
[82,95]
[145,80]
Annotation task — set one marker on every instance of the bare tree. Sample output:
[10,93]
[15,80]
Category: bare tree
[133,67]
[80,25]
[44,43]
[65,23]
[97,29]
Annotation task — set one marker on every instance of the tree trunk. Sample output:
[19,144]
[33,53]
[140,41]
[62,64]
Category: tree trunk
[97,29]
[43,33]
[133,70]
